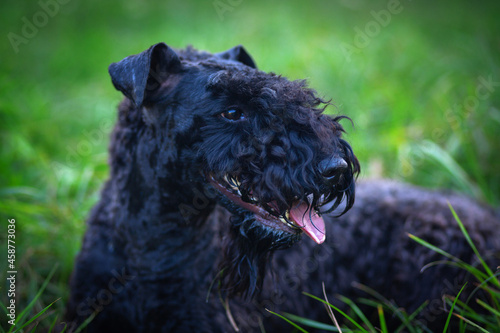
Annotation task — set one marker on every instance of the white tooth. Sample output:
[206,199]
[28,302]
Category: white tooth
[321,200]
[230,183]
[283,220]
[234,183]
[287,215]
[310,198]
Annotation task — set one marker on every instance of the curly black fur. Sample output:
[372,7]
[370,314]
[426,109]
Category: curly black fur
[274,155]
[208,158]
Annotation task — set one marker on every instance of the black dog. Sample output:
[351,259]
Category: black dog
[214,167]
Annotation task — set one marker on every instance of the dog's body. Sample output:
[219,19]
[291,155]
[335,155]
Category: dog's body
[215,167]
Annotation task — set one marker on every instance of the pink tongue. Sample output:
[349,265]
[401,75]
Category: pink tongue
[312,224]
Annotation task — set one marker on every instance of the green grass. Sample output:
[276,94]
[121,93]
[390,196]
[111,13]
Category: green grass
[355,320]
[405,92]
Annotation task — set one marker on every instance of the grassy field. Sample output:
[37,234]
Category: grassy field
[420,80]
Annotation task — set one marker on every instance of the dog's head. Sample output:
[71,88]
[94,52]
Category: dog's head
[275,160]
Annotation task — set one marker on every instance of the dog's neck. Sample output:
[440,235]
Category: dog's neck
[158,223]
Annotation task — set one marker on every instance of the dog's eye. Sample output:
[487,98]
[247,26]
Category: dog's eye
[233,115]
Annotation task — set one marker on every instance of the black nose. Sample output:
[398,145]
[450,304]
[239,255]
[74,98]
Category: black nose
[332,168]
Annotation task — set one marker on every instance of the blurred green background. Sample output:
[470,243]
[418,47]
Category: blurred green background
[420,80]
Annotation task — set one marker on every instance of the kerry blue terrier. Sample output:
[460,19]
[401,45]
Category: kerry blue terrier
[217,171]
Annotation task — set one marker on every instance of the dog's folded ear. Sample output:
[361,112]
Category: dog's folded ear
[238,53]
[141,76]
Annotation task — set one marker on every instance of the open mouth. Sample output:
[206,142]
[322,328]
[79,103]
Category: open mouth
[300,217]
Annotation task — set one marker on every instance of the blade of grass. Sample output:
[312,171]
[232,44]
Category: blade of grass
[393,308]
[381,317]
[83,184]
[471,323]
[51,329]
[229,315]
[491,275]
[451,309]
[459,262]
[494,293]
[472,315]
[310,323]
[338,310]
[329,309]
[441,156]
[37,296]
[465,308]
[473,270]
[36,316]
[488,307]
[471,244]
[357,311]
[86,322]
[288,321]
[434,248]
[484,286]
[411,317]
